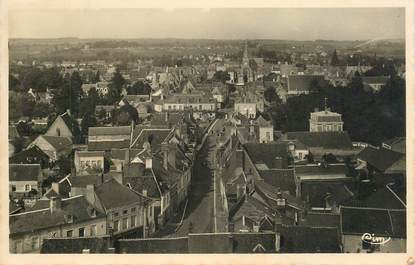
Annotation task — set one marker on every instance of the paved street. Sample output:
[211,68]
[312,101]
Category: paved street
[199,210]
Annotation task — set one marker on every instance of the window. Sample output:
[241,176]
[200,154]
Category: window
[58,132]
[99,163]
[116,226]
[13,187]
[300,156]
[94,164]
[27,187]
[82,164]
[81,232]
[125,212]
[124,223]
[116,214]
[87,163]
[93,230]
[133,210]
[35,243]
[132,221]
[69,233]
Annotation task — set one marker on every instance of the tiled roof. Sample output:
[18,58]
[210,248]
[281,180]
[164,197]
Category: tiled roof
[384,198]
[57,142]
[32,155]
[326,140]
[270,195]
[381,158]
[77,207]
[303,239]
[113,195]
[84,180]
[321,170]
[154,136]
[381,222]
[25,172]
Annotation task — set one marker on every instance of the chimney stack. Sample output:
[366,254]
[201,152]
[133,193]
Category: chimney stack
[165,150]
[55,204]
[149,162]
[55,187]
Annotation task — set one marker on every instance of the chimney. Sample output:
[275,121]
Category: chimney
[144,192]
[149,162]
[278,163]
[68,111]
[165,151]
[55,204]
[280,200]
[166,117]
[90,194]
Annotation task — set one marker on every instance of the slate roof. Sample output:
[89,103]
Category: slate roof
[280,178]
[375,79]
[381,222]
[32,155]
[113,195]
[251,208]
[66,117]
[156,136]
[270,195]
[321,171]
[160,118]
[84,180]
[153,245]
[58,143]
[326,140]
[397,144]
[107,145]
[261,122]
[13,133]
[76,245]
[113,130]
[25,172]
[303,82]
[317,219]
[384,198]
[381,158]
[303,239]
[266,152]
[317,192]
[78,207]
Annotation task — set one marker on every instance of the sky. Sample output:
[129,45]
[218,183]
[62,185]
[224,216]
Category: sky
[246,23]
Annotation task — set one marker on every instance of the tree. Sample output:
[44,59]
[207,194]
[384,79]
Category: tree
[27,105]
[270,95]
[14,83]
[41,110]
[221,76]
[334,59]
[139,88]
[125,114]
[88,120]
[115,87]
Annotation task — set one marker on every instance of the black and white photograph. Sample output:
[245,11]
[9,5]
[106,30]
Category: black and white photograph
[207,130]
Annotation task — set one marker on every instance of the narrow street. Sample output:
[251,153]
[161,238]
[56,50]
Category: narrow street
[199,212]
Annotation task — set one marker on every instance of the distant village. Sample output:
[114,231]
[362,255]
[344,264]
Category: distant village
[134,157]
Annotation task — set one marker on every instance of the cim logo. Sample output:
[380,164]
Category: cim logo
[374,240]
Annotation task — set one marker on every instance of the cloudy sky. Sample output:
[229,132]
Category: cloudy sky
[275,23]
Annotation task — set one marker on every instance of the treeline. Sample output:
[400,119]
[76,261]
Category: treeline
[367,116]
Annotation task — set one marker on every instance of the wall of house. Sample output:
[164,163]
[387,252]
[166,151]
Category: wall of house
[20,186]
[59,128]
[266,134]
[248,109]
[32,241]
[95,162]
[353,244]
[122,219]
